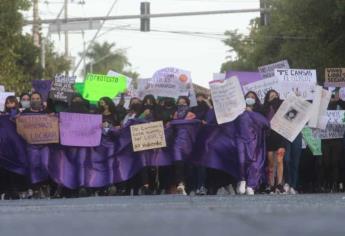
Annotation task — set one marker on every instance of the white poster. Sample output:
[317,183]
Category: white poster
[335,126]
[321,100]
[341,92]
[298,81]
[228,99]
[261,87]
[267,71]
[2,89]
[291,117]
[219,76]
[3,97]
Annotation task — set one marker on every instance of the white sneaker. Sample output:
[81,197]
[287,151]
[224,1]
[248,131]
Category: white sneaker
[249,191]
[293,191]
[181,189]
[241,187]
[222,192]
[286,187]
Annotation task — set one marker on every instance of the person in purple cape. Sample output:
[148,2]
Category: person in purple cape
[275,144]
[11,106]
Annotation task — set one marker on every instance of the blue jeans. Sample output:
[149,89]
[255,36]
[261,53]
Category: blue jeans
[291,161]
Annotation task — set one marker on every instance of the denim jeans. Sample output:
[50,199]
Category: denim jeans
[291,161]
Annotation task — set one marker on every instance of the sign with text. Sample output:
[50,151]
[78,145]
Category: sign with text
[335,77]
[298,81]
[148,136]
[320,103]
[98,86]
[267,71]
[261,87]
[38,129]
[291,117]
[80,130]
[43,87]
[62,88]
[228,99]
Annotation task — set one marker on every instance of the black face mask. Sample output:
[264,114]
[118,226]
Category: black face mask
[149,107]
[136,107]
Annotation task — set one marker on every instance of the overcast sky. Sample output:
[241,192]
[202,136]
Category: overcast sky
[148,52]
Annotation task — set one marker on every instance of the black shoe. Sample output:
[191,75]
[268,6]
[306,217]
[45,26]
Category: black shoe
[280,189]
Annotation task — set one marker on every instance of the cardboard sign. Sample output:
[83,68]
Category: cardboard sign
[62,88]
[98,86]
[148,136]
[38,129]
[300,82]
[291,117]
[80,130]
[335,77]
[43,87]
[3,97]
[228,99]
[313,143]
[267,71]
[261,87]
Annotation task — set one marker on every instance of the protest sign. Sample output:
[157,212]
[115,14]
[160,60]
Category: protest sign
[38,129]
[62,88]
[313,143]
[43,87]
[335,77]
[80,130]
[261,87]
[148,136]
[335,90]
[219,76]
[2,89]
[298,81]
[142,88]
[79,87]
[319,108]
[3,96]
[228,99]
[98,86]
[291,117]
[244,77]
[267,71]
[335,128]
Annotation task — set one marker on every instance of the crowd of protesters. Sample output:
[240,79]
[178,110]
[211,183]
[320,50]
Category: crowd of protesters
[290,168]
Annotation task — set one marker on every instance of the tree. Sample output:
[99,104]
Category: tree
[103,57]
[310,34]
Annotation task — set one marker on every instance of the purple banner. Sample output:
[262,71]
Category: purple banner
[80,130]
[245,77]
[43,87]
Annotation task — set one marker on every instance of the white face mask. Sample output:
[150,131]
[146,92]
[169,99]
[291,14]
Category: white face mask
[250,101]
[25,104]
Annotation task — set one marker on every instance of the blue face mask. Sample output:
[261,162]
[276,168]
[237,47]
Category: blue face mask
[250,101]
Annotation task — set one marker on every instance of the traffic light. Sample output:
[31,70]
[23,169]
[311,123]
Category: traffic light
[264,15]
[145,21]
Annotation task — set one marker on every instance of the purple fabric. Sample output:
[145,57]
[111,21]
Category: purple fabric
[236,148]
[245,77]
[43,87]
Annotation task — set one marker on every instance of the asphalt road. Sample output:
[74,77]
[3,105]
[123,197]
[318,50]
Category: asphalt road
[317,214]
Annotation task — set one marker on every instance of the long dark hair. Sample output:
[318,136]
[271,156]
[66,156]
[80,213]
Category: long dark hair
[149,97]
[267,103]
[257,106]
[11,99]
[185,98]
[109,103]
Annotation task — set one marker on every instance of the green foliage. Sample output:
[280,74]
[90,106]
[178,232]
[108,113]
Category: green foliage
[309,33]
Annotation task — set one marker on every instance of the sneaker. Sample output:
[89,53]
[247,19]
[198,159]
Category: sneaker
[280,189]
[181,189]
[222,191]
[249,191]
[201,191]
[292,191]
[241,187]
[269,190]
[286,187]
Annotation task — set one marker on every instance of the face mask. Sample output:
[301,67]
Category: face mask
[182,111]
[105,131]
[136,107]
[250,101]
[36,105]
[149,107]
[25,104]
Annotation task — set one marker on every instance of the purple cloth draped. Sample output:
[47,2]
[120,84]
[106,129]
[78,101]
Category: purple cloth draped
[236,148]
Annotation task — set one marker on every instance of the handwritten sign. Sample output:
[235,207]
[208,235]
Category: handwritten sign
[148,136]
[298,81]
[38,129]
[267,71]
[62,88]
[335,128]
[80,130]
[261,87]
[98,86]
[291,117]
[335,77]
[228,99]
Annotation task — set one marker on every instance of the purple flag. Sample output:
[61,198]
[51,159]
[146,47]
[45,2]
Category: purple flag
[80,130]
[245,77]
[43,87]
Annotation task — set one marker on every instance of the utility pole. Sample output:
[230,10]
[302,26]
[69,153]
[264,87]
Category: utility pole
[66,32]
[36,24]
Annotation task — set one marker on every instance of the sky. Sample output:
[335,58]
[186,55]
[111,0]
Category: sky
[148,52]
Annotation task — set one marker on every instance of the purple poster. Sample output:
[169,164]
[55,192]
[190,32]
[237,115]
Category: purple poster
[80,130]
[43,87]
[245,77]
